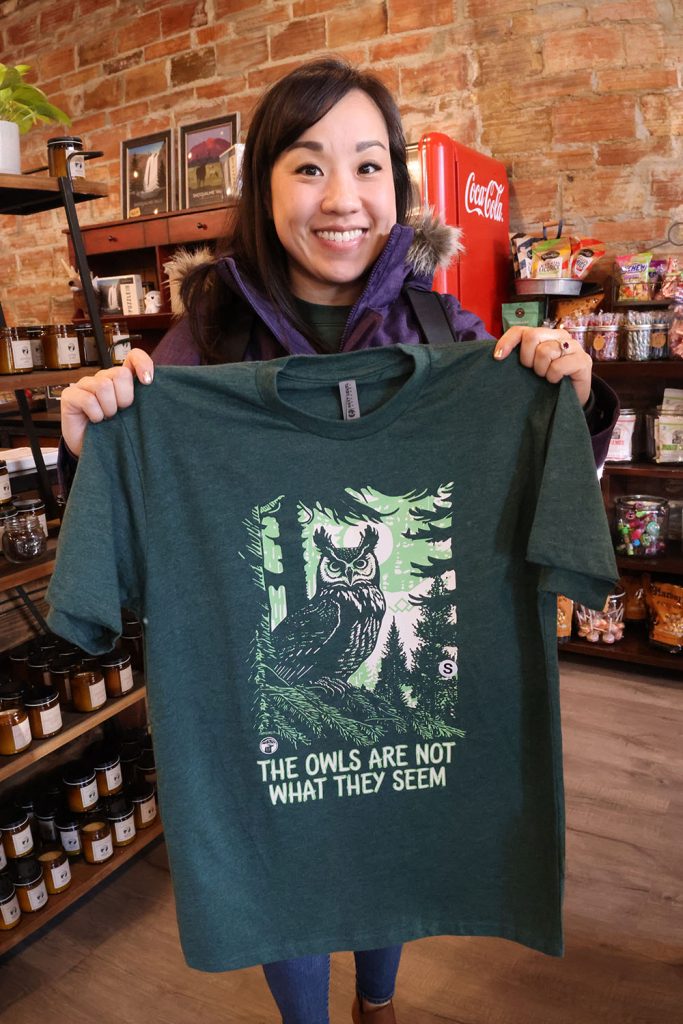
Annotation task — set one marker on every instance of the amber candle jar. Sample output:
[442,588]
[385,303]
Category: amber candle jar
[131,641]
[88,692]
[11,694]
[87,346]
[60,345]
[17,837]
[15,731]
[144,803]
[80,785]
[117,337]
[44,712]
[39,668]
[10,911]
[97,842]
[120,814]
[67,825]
[27,875]
[46,808]
[146,767]
[33,333]
[15,352]
[105,760]
[18,663]
[129,754]
[118,673]
[56,870]
[61,668]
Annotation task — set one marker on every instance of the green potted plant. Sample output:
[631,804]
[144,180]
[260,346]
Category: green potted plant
[21,107]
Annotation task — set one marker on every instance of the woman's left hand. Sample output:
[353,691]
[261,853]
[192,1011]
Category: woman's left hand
[550,353]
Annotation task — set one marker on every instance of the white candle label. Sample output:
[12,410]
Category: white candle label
[5,489]
[51,720]
[23,841]
[148,809]
[42,519]
[124,829]
[71,841]
[98,694]
[37,354]
[37,897]
[10,911]
[113,777]
[89,794]
[61,875]
[126,679]
[77,167]
[21,734]
[3,858]
[67,351]
[21,355]
[102,848]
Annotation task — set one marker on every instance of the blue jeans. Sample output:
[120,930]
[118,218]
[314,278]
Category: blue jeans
[301,986]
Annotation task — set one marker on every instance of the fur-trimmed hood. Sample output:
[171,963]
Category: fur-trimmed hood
[434,246]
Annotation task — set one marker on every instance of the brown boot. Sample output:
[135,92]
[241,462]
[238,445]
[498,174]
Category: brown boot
[382,1015]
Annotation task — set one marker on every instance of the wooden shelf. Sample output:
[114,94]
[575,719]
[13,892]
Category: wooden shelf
[23,194]
[634,648]
[658,469]
[671,561]
[12,574]
[44,378]
[75,725]
[84,877]
[652,368]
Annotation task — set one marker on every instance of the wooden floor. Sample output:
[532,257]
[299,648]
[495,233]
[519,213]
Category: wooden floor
[115,959]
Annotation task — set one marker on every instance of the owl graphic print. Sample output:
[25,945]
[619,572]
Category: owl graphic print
[357,637]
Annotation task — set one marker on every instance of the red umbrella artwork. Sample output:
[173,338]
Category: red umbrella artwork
[207,151]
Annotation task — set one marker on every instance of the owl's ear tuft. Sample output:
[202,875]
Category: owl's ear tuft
[323,541]
[369,539]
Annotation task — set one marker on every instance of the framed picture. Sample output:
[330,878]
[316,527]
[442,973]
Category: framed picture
[201,147]
[147,175]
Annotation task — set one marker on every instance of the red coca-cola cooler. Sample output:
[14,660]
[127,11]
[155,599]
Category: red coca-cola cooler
[469,191]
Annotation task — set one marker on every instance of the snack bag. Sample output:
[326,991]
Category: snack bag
[634,270]
[670,279]
[585,252]
[523,244]
[550,259]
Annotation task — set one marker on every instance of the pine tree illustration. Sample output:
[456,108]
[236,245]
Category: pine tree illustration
[435,632]
[393,672]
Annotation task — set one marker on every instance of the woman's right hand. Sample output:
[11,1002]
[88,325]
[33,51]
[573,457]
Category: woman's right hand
[92,399]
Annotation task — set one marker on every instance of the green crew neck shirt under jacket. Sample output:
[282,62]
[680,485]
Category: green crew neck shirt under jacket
[326,322]
[349,637]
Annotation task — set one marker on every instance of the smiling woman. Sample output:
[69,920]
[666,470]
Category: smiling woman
[333,202]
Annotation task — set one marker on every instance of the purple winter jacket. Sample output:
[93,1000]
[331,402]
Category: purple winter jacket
[381,316]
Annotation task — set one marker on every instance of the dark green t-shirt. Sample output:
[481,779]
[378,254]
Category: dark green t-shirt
[350,638]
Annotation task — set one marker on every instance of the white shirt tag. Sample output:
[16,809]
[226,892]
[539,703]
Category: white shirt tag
[349,399]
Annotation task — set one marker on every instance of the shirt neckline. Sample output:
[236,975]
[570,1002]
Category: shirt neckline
[367,365]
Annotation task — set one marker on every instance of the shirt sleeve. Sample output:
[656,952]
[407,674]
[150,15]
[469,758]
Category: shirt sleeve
[570,539]
[100,564]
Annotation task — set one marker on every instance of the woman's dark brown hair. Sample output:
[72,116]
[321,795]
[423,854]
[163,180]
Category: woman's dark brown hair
[286,110]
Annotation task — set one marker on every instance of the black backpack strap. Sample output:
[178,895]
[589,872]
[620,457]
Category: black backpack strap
[431,316]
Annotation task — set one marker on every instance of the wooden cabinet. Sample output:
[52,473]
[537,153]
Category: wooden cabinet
[641,386]
[142,246]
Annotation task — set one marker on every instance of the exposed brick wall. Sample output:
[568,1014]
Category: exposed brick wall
[582,101]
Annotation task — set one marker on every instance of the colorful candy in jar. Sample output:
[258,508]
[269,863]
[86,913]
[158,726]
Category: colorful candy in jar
[641,521]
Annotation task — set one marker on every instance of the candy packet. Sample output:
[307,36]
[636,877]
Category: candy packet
[585,252]
[550,258]
[634,270]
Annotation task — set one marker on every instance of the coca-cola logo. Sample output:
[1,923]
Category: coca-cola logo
[484,200]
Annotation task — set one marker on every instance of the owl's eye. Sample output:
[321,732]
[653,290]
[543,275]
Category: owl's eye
[361,563]
[334,566]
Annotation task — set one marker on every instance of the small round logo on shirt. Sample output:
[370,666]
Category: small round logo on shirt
[447,668]
[268,745]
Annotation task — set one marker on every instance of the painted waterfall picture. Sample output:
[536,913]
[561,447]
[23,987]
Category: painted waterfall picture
[147,175]
[357,633]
